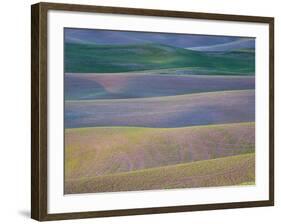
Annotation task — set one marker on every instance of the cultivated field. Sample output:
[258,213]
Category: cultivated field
[155,83]
[170,111]
[91,152]
[232,170]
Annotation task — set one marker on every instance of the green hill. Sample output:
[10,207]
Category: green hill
[83,58]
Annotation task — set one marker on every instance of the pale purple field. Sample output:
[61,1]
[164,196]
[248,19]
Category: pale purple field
[148,84]
[171,111]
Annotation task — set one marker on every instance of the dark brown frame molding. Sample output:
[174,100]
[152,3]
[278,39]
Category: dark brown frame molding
[39,110]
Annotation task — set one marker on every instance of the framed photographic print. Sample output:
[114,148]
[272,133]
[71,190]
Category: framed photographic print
[138,111]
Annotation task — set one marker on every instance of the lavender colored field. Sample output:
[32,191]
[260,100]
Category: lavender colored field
[232,170]
[91,152]
[148,84]
[170,111]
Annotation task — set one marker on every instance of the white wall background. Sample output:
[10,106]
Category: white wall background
[15,112]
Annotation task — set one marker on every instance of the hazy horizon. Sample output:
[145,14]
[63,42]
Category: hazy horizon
[115,37]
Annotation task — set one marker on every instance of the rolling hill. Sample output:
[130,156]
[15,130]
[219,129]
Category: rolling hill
[89,86]
[164,112]
[229,46]
[102,151]
[232,170]
[82,58]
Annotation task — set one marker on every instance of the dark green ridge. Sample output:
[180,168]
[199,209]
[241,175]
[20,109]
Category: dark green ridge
[91,58]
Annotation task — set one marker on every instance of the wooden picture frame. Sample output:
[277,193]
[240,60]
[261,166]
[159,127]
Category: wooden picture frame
[39,109]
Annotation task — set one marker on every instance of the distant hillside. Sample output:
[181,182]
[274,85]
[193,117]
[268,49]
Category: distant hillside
[242,43]
[123,58]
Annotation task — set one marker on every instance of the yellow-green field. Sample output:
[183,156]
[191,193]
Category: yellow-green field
[132,158]
[232,170]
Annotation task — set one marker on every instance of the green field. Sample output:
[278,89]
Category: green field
[83,58]
[232,170]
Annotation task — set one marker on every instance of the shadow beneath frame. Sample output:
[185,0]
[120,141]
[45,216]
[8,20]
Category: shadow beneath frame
[24,213]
